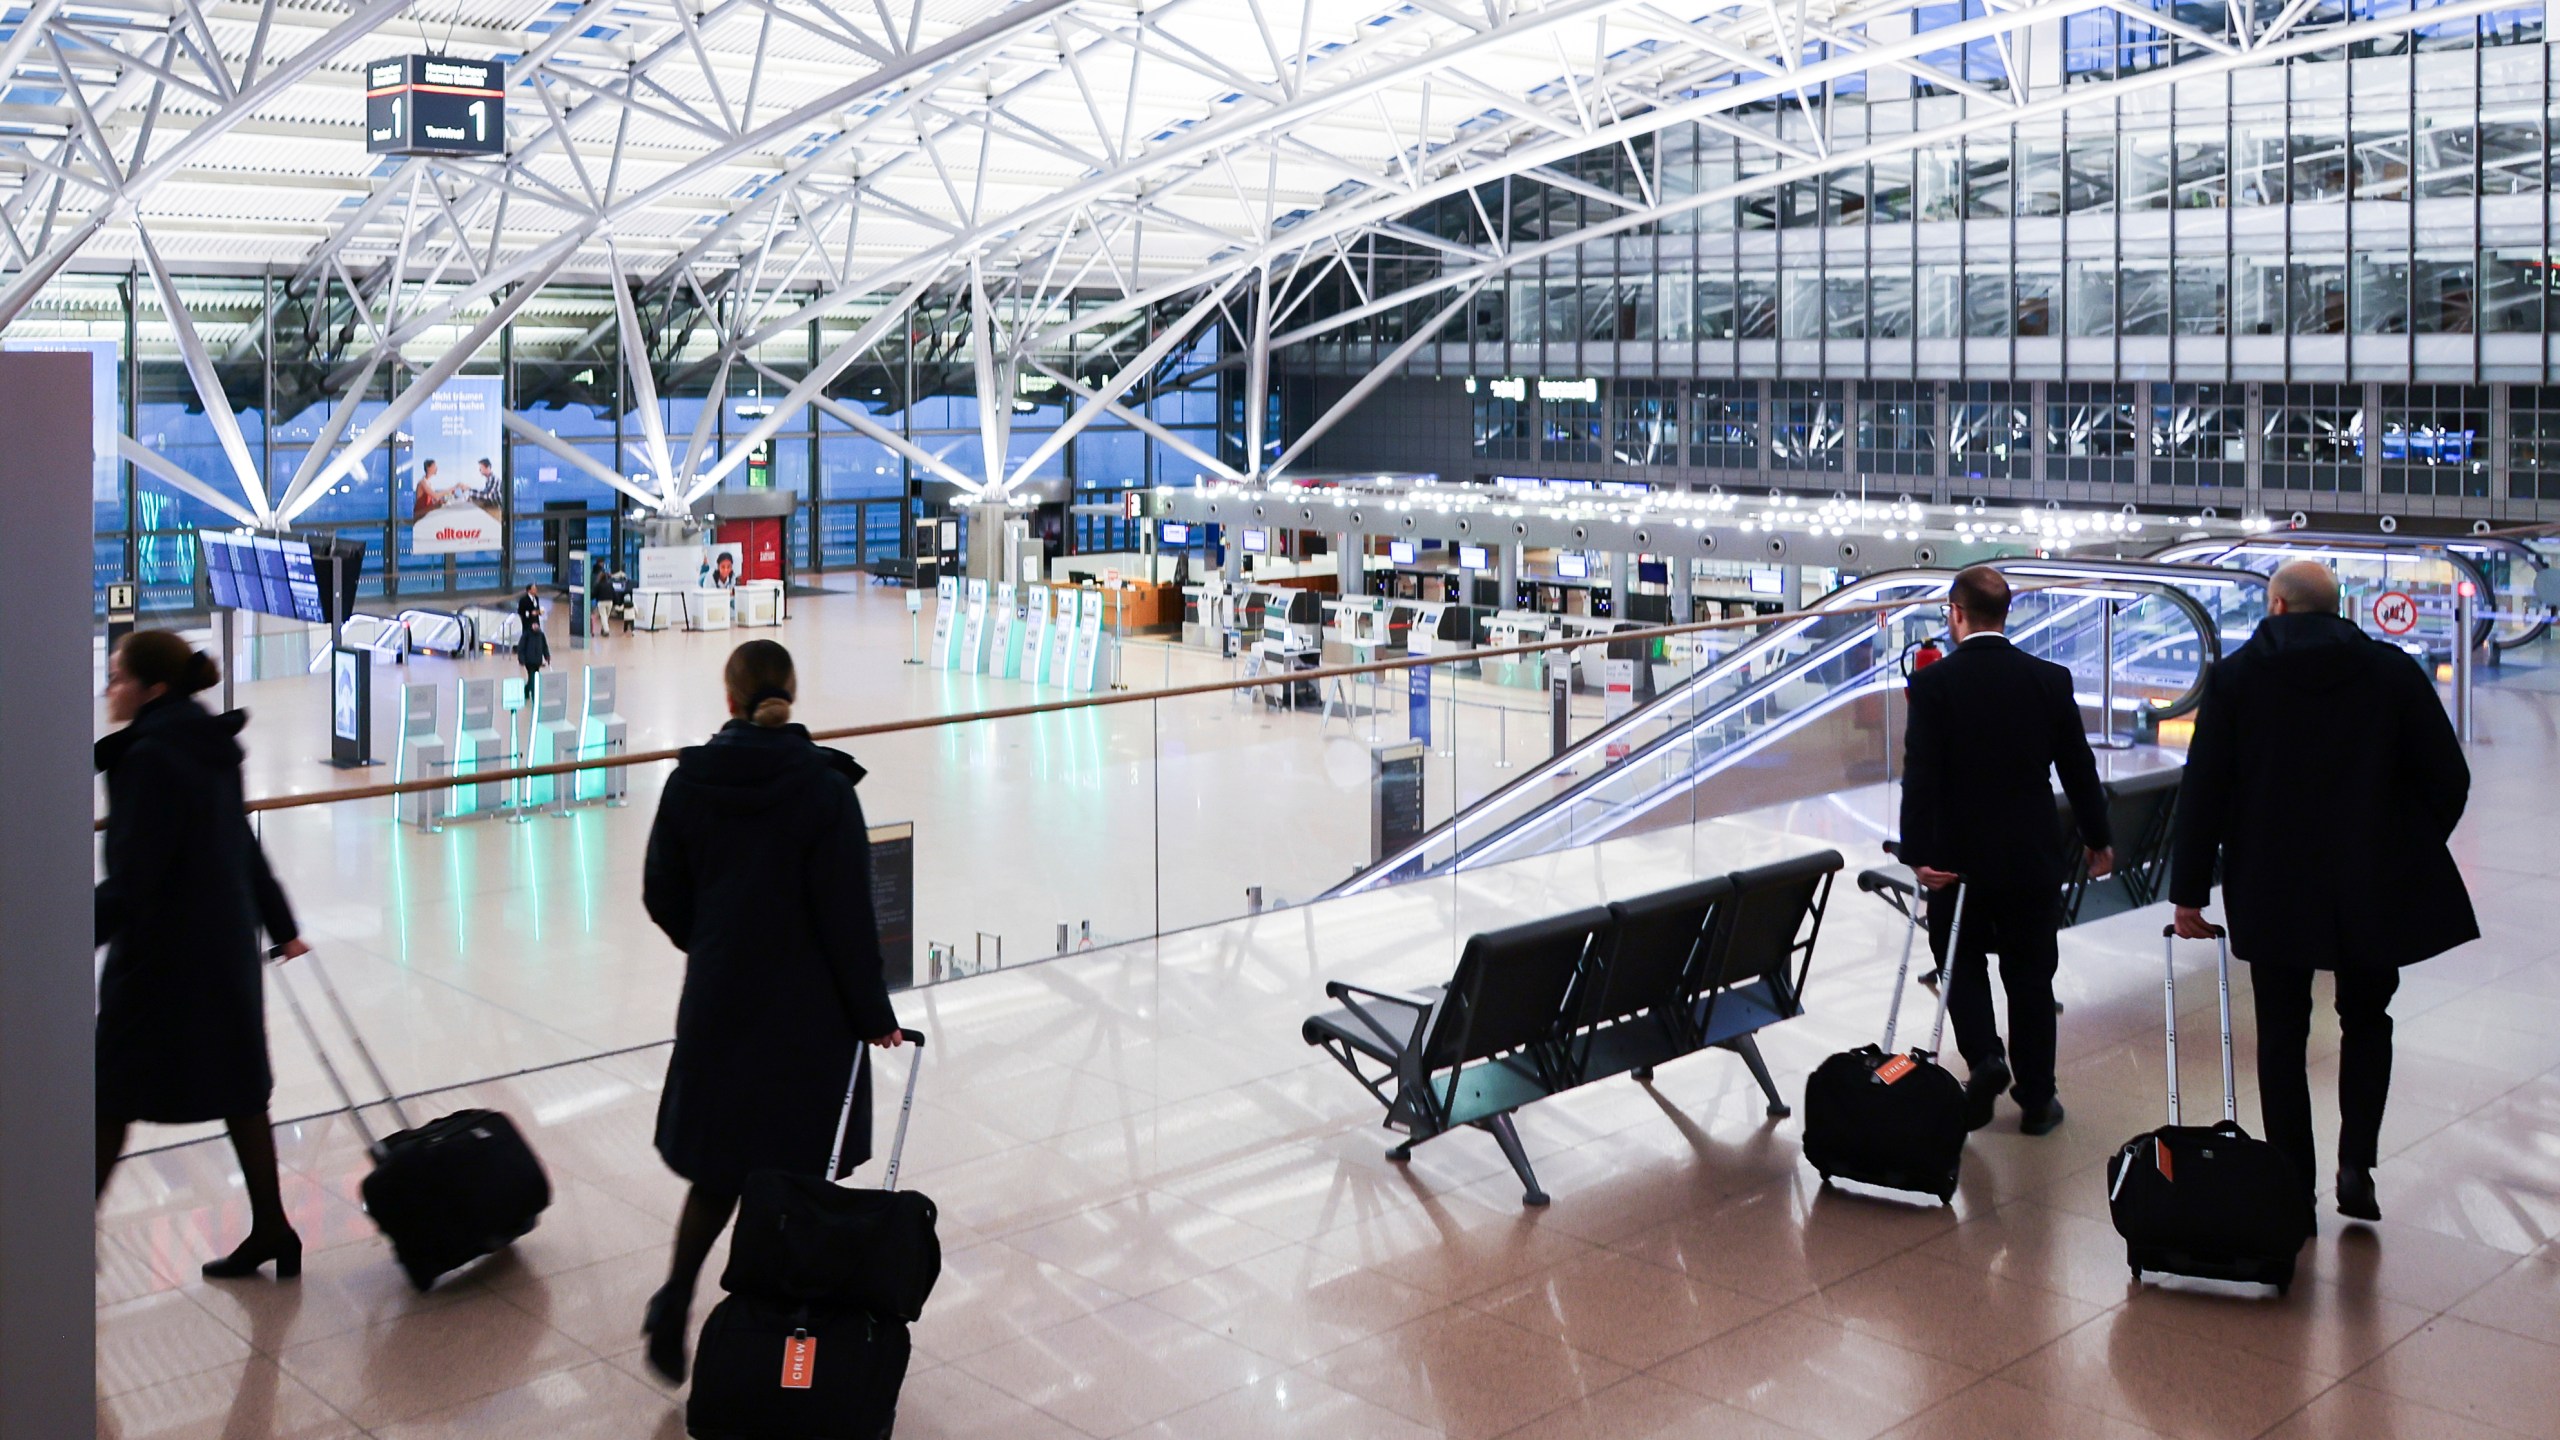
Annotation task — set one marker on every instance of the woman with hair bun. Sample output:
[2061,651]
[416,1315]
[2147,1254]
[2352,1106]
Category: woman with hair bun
[182,1028]
[759,869]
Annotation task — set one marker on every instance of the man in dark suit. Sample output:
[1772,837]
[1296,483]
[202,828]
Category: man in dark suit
[2326,778]
[1989,724]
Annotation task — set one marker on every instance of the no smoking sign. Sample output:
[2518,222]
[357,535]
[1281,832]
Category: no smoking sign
[2395,613]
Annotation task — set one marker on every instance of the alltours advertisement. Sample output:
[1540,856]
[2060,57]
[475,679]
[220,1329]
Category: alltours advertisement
[454,469]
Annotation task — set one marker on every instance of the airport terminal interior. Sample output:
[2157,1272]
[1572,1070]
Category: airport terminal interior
[1344,536]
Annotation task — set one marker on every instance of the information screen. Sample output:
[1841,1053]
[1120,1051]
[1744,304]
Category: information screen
[1257,542]
[1474,557]
[1176,533]
[1400,552]
[1767,580]
[274,584]
[303,584]
[1573,567]
[222,570]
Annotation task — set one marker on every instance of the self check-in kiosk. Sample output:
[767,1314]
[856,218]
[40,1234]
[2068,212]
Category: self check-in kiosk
[421,755]
[1292,640]
[1517,627]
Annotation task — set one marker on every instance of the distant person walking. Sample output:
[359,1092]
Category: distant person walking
[529,605]
[2326,779]
[182,1028]
[599,602]
[533,651]
[1990,725]
[759,869]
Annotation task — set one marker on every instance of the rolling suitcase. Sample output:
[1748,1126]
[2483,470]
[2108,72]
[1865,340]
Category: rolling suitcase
[802,1238]
[444,1193]
[2208,1200]
[780,1360]
[1885,1118]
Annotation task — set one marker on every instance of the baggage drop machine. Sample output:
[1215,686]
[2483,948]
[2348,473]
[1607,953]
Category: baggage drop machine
[1292,640]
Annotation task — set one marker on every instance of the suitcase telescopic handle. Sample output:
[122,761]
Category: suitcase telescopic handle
[1947,969]
[311,1036]
[2222,980]
[1902,972]
[906,1108]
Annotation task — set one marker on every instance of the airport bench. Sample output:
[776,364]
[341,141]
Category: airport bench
[2140,811]
[1537,1009]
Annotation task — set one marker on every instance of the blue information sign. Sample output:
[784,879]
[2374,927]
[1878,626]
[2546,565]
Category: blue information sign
[1418,703]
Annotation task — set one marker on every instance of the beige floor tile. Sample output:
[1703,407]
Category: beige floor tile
[127,1272]
[432,1360]
[1144,1242]
[2359,1412]
[2167,1380]
[1813,1376]
[590,1402]
[2036,1244]
[1998,1408]
[1294,1303]
[1300,1191]
[2523,1301]
[158,1338]
[1641,1407]
[341,1289]
[1294,1405]
[600,1305]
[251,1399]
[1620,1308]
[2402,1262]
[1118,1368]
[992,1294]
[1467,1374]
[2329,1330]
[2478,1373]
[1451,1246]
[947,1403]
[1958,1313]
[1772,1243]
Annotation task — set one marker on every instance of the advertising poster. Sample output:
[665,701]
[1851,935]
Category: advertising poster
[691,567]
[453,481]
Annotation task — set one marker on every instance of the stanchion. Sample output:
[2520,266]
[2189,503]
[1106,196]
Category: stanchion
[1502,722]
[2464,603]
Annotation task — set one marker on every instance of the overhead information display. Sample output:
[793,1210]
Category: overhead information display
[435,105]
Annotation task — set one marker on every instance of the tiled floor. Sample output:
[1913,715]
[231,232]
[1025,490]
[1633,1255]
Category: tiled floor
[1164,1216]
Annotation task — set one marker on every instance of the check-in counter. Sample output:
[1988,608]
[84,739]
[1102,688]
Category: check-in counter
[1517,627]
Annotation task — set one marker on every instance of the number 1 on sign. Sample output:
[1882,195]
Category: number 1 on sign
[479,119]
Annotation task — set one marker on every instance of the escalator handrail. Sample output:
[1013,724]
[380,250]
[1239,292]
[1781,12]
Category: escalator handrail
[2449,548]
[2158,575]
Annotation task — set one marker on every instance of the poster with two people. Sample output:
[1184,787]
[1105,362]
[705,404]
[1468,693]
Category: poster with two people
[454,500]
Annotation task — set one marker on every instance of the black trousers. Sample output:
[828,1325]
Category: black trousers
[2019,925]
[2364,1061]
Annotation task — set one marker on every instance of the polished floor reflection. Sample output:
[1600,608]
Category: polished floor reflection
[1166,1217]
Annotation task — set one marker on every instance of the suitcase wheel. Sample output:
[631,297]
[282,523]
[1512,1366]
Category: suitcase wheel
[1778,1111]
[2137,1274]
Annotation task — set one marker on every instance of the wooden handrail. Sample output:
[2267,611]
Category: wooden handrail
[1085,702]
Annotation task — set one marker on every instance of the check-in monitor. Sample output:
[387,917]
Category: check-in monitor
[1474,557]
[1571,566]
[1175,533]
[1256,542]
[1768,580]
[1400,552]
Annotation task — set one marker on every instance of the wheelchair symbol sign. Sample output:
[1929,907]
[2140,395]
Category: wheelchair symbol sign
[2395,613]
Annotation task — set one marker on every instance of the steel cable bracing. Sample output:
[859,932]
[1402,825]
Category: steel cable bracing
[1071,167]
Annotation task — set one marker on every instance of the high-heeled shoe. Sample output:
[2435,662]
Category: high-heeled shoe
[285,1250]
[664,1325]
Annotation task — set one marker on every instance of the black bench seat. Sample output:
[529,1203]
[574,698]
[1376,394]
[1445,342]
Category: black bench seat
[1537,1009]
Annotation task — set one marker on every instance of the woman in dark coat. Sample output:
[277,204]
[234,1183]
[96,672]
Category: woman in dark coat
[182,1031]
[533,651]
[759,869]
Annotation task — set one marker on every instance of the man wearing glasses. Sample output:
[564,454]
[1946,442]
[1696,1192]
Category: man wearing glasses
[1990,724]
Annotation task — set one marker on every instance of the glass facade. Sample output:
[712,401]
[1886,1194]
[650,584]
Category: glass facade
[285,357]
[2328,277]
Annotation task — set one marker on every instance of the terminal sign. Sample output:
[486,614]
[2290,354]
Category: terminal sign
[435,105]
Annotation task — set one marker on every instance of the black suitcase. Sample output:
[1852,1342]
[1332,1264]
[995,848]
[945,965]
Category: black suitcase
[778,1360]
[453,1190]
[804,1239]
[770,1370]
[2208,1200]
[444,1193]
[1893,1120]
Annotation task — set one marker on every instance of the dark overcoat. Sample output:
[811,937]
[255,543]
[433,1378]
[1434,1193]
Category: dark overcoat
[2327,779]
[759,869]
[182,1028]
[1990,727]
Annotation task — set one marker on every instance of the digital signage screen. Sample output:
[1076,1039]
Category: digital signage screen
[1474,557]
[1570,566]
[1176,533]
[281,575]
[1257,542]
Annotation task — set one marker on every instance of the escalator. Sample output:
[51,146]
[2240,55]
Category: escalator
[1835,664]
[2502,572]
